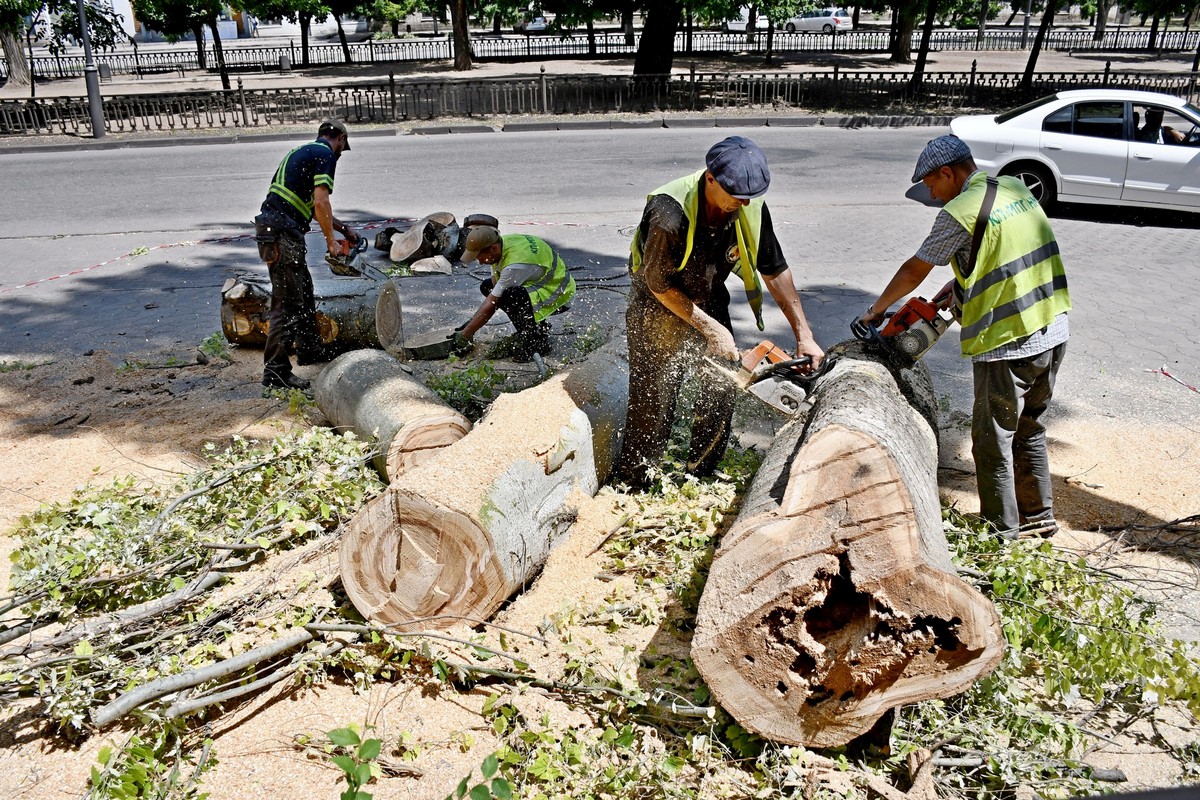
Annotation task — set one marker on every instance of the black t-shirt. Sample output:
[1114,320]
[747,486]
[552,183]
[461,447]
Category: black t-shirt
[289,202]
[663,231]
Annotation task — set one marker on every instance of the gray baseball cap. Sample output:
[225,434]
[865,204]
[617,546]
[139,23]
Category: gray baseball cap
[740,166]
[940,152]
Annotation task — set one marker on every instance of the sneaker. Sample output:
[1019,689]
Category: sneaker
[274,380]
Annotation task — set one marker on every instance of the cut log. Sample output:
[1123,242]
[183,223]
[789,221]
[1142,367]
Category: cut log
[833,597]
[369,392]
[461,533]
[352,313]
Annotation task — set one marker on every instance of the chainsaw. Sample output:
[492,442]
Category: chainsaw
[768,373]
[349,261]
[908,333]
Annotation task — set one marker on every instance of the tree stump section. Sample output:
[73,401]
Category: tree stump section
[459,534]
[368,392]
[833,597]
[352,313]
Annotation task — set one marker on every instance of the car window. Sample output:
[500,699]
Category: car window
[1160,125]
[1019,110]
[1103,120]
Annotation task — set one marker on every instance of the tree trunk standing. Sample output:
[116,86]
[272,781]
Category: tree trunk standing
[1102,9]
[1043,29]
[342,38]
[474,524]
[19,74]
[770,42]
[461,35]
[923,50]
[1153,42]
[305,25]
[833,597]
[627,23]
[219,54]
[591,37]
[984,7]
[201,55]
[368,392]
[902,46]
[656,50]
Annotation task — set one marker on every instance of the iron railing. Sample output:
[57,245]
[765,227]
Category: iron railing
[487,47]
[396,101]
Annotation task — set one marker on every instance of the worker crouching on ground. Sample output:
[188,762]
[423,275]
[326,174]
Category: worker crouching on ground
[299,191]
[694,231]
[529,282]
[1011,288]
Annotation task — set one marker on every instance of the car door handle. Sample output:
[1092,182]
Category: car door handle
[1054,147]
[1143,157]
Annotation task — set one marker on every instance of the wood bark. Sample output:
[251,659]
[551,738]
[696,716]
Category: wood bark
[368,392]
[833,597]
[20,74]
[461,533]
[352,313]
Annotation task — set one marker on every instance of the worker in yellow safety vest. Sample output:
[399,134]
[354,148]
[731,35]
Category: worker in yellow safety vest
[694,232]
[1011,292]
[529,282]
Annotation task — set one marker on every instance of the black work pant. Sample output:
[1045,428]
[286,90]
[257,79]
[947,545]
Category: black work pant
[1008,440]
[663,350]
[515,302]
[292,320]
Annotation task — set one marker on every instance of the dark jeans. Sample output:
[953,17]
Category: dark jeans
[663,350]
[292,320]
[516,304]
[1008,440]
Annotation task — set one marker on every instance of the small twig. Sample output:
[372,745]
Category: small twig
[611,533]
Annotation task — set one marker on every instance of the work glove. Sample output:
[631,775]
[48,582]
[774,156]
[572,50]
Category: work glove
[462,344]
[720,342]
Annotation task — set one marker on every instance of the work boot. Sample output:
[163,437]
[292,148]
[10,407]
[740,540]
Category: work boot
[275,380]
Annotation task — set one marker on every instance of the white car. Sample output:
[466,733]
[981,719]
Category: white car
[825,20]
[1104,146]
[536,24]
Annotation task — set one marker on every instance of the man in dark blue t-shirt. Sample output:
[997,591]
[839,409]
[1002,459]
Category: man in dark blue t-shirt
[299,191]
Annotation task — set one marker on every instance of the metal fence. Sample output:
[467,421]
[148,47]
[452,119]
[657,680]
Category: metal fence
[487,47]
[396,101]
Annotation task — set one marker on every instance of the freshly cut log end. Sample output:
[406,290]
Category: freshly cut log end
[833,597]
[389,328]
[368,392]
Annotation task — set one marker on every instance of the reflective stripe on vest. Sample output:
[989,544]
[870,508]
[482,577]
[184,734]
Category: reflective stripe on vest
[280,188]
[1019,285]
[549,291]
[686,192]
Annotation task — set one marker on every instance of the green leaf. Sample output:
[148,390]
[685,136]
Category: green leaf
[501,789]
[481,792]
[346,763]
[461,791]
[370,749]
[490,765]
[104,755]
[83,649]
[362,774]
[343,737]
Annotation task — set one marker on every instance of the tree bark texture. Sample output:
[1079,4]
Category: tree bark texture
[1038,41]
[656,49]
[833,597]
[368,392]
[462,532]
[459,22]
[19,69]
[352,313]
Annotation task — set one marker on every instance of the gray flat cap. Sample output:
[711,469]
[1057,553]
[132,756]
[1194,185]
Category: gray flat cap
[940,152]
[740,166]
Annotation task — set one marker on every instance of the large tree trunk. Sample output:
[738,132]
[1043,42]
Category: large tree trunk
[656,50]
[923,51]
[352,313]
[342,38]
[305,27]
[219,54]
[462,37]
[1102,9]
[19,76]
[906,21]
[369,392]
[464,531]
[1038,41]
[201,54]
[833,597]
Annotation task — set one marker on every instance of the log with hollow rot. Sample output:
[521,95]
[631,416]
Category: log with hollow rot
[370,393]
[352,313]
[833,598]
[459,534]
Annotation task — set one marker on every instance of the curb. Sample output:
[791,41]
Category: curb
[850,122]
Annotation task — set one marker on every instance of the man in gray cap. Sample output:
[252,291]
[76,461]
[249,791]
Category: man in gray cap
[299,191]
[1010,290]
[529,282]
[694,232]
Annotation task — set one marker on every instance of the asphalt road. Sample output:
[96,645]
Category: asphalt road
[144,231]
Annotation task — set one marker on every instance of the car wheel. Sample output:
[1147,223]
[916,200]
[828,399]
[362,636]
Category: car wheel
[790,28]
[1037,179]
[826,28]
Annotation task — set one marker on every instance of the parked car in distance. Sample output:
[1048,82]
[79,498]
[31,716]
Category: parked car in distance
[824,20]
[1105,146]
[535,24]
[741,22]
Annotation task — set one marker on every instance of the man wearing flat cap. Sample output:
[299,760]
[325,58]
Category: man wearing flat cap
[694,232]
[299,191]
[1011,292]
[529,282]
